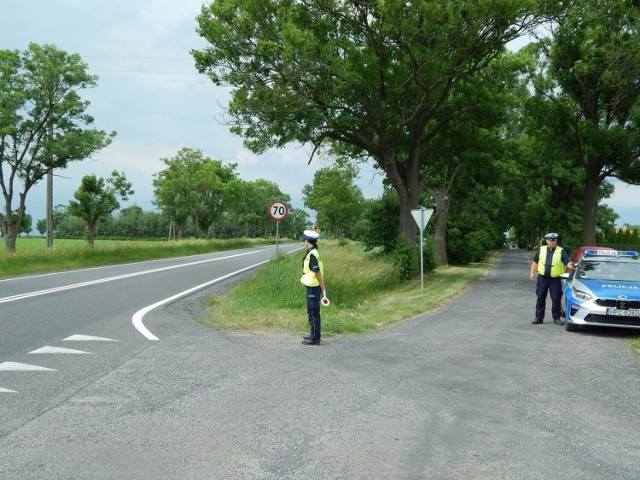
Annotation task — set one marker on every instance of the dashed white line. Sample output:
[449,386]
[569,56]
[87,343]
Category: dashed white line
[87,338]
[49,349]
[23,367]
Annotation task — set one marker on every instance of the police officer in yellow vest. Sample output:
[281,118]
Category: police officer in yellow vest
[312,271]
[549,261]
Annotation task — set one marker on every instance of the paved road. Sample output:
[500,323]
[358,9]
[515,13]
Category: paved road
[472,391]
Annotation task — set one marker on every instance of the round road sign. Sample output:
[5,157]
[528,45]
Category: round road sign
[278,210]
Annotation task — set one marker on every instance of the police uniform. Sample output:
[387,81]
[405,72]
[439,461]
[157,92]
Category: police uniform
[549,261]
[312,279]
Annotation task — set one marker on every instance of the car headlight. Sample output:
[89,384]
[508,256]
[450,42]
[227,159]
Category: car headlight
[580,295]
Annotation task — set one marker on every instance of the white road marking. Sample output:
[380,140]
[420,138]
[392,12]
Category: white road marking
[6,390]
[23,367]
[139,315]
[117,277]
[87,338]
[49,349]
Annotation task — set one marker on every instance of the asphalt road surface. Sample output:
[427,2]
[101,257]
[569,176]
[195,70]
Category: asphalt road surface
[472,391]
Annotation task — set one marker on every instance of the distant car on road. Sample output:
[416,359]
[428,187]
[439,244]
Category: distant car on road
[604,290]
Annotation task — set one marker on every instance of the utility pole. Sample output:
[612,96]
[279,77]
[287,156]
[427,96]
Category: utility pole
[49,212]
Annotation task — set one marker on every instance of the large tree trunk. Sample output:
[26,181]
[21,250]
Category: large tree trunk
[91,234]
[408,226]
[11,224]
[10,234]
[590,208]
[405,179]
[441,196]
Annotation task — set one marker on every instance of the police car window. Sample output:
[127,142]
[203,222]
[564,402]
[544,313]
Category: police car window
[623,271]
[593,271]
[628,271]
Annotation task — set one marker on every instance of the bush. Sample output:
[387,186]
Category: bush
[469,238]
[379,225]
[404,257]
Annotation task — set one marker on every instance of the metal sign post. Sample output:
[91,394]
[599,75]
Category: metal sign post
[278,210]
[422,216]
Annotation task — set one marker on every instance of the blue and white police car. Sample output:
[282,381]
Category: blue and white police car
[602,291]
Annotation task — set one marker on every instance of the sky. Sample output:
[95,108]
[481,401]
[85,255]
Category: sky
[150,93]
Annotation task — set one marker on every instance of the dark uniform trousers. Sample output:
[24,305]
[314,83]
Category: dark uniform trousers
[554,287]
[313,310]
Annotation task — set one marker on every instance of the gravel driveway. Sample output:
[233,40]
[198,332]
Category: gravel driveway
[472,391]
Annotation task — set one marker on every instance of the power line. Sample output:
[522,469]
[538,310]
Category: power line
[140,71]
[157,79]
[144,74]
[138,58]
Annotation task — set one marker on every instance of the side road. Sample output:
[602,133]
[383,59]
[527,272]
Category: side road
[472,391]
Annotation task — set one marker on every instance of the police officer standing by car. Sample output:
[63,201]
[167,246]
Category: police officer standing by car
[549,261]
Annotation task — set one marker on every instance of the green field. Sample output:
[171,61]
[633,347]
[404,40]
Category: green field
[31,255]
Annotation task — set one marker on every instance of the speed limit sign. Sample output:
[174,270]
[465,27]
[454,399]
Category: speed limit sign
[278,210]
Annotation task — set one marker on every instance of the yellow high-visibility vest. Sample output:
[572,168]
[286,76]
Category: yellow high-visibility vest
[557,268]
[309,277]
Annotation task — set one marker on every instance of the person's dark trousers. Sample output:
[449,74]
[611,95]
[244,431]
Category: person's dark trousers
[313,310]
[554,287]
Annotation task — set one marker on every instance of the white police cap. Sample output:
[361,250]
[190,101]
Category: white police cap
[551,236]
[311,235]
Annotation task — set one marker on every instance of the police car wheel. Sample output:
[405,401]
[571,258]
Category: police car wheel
[570,327]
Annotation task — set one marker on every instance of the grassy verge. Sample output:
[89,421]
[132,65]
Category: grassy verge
[365,295]
[31,256]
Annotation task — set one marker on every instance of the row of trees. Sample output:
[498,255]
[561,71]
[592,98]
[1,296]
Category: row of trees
[43,124]
[134,223]
[620,236]
[426,91]
[205,198]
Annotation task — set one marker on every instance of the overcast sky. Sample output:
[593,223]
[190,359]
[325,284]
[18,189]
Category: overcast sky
[150,93]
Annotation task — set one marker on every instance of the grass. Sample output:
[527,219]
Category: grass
[364,292]
[31,255]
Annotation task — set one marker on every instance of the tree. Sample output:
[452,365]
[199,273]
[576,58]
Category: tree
[191,188]
[247,205]
[41,226]
[335,198]
[464,159]
[370,79]
[296,222]
[97,199]
[378,225]
[27,224]
[43,123]
[588,74]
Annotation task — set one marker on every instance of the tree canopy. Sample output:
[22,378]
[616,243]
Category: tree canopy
[371,79]
[586,107]
[336,199]
[191,189]
[96,199]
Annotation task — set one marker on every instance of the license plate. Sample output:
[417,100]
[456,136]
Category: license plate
[623,313]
